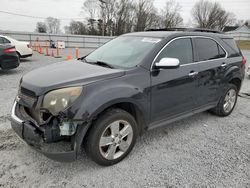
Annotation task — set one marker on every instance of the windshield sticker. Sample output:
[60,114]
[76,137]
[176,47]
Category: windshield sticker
[151,40]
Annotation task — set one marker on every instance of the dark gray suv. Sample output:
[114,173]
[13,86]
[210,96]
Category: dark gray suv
[136,82]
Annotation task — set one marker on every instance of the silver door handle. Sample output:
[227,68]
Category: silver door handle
[223,65]
[193,74]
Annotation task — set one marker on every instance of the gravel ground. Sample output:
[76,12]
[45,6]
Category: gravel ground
[200,151]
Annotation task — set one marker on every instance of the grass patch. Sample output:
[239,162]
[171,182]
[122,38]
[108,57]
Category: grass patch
[244,44]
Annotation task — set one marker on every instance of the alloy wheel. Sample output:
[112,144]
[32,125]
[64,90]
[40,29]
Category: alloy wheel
[116,139]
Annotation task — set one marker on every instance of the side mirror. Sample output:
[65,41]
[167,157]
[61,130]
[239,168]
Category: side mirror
[168,63]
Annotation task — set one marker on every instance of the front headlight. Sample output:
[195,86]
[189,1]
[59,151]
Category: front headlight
[58,100]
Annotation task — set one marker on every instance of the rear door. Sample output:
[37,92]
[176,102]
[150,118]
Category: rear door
[211,59]
[173,91]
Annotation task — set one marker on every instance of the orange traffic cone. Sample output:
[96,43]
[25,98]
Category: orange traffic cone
[47,50]
[57,51]
[41,50]
[68,57]
[52,53]
[77,53]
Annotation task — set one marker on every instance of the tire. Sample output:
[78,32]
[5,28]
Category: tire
[107,145]
[220,109]
[19,56]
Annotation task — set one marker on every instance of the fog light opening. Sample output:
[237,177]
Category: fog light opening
[67,128]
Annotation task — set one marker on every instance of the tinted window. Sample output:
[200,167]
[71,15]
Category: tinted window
[233,46]
[208,49]
[1,40]
[180,49]
[222,53]
[6,41]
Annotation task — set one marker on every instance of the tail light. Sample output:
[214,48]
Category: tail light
[244,62]
[10,50]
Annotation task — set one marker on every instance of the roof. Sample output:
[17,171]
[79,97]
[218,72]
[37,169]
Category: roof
[165,34]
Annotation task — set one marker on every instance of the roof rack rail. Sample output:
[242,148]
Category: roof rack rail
[186,29]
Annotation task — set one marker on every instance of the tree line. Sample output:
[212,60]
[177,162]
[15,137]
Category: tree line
[116,17]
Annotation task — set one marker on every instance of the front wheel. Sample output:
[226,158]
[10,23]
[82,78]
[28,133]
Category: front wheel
[227,102]
[111,137]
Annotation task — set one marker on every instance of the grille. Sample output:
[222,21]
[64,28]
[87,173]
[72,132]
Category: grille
[27,92]
[22,113]
[26,100]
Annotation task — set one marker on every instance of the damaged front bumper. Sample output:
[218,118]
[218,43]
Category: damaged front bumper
[29,132]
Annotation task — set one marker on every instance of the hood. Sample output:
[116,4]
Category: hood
[64,74]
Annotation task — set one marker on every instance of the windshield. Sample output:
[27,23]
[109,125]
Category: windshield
[125,51]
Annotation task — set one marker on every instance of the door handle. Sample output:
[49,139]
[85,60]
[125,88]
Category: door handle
[223,65]
[193,73]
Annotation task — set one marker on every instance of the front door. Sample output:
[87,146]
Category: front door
[174,91]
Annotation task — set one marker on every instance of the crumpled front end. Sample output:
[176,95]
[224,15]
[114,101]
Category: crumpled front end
[57,137]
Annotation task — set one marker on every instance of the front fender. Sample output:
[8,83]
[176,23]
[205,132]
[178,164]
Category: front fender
[97,99]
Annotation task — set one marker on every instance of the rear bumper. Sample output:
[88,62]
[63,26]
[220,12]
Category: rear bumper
[26,52]
[27,55]
[30,134]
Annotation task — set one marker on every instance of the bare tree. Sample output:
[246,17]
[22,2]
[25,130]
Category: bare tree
[41,27]
[171,14]
[53,25]
[115,17]
[124,17]
[144,12]
[211,15]
[91,7]
[76,28]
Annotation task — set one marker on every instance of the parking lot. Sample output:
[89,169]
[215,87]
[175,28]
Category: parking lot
[203,150]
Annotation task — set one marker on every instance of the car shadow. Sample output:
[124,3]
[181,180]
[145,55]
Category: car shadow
[25,60]
[8,72]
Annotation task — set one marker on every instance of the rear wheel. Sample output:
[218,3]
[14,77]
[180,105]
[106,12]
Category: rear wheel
[19,55]
[227,102]
[112,137]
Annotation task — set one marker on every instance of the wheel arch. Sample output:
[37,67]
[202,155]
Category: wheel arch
[127,105]
[237,82]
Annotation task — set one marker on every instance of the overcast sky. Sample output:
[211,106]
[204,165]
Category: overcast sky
[72,9]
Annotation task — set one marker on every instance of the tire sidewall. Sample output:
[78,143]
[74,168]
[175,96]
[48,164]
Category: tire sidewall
[97,130]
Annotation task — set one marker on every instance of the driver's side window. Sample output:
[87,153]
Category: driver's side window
[181,49]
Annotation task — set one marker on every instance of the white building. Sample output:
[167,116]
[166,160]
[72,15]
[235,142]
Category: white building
[238,33]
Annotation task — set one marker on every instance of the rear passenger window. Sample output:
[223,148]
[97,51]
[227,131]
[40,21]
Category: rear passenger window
[1,40]
[6,41]
[181,49]
[208,49]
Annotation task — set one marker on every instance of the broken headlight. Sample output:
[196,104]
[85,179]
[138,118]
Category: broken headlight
[58,100]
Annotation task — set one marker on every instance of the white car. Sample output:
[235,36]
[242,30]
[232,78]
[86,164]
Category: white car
[23,49]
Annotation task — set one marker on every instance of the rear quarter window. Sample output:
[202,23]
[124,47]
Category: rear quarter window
[6,41]
[230,43]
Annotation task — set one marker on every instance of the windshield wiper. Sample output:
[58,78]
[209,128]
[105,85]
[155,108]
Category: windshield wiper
[101,63]
[104,64]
